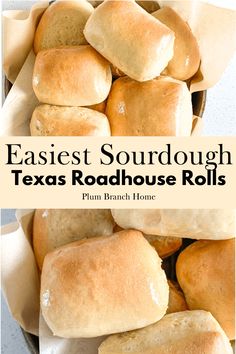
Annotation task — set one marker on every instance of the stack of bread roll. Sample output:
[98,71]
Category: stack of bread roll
[115,69]
[102,273]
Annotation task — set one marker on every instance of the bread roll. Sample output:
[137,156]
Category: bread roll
[62,24]
[103,285]
[165,246]
[212,224]
[188,332]
[186,59]
[71,76]
[130,38]
[206,273]
[177,301]
[50,120]
[53,228]
[160,107]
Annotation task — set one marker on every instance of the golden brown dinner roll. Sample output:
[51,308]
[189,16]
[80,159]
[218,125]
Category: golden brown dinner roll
[212,224]
[71,76]
[177,301]
[188,332]
[103,285]
[53,228]
[206,273]
[62,24]
[130,38]
[50,120]
[159,107]
[186,59]
[165,246]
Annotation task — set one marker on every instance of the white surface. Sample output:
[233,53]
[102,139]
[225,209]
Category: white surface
[231,4]
[17,4]
[220,113]
[219,119]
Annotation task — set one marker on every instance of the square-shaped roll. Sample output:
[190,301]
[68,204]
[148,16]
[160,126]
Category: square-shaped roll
[103,285]
[71,76]
[130,38]
[159,107]
[62,23]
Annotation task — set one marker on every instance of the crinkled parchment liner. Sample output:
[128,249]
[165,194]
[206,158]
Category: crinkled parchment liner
[214,28]
[21,284]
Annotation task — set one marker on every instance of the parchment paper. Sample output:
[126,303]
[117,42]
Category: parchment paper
[18,35]
[56,345]
[20,279]
[197,126]
[20,103]
[20,286]
[214,28]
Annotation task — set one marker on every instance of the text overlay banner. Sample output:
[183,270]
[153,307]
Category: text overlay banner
[127,172]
